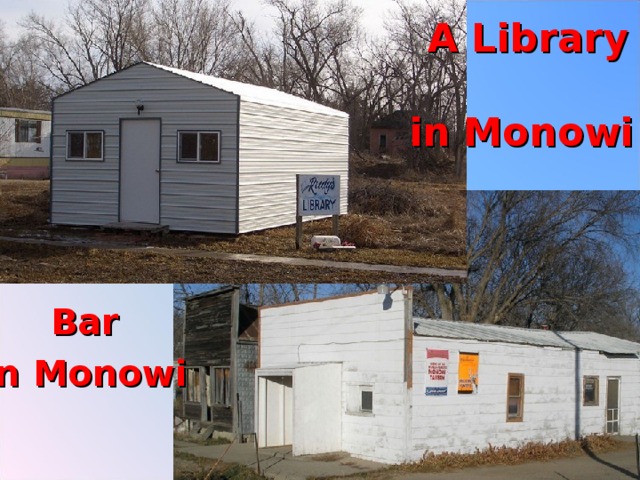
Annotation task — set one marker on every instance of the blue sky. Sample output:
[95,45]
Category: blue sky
[556,88]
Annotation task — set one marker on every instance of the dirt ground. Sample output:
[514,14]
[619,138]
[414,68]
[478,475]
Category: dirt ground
[189,467]
[411,223]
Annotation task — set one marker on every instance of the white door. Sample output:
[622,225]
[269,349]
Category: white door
[317,421]
[613,405]
[275,411]
[140,171]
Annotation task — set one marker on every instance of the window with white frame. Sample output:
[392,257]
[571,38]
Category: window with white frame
[360,399]
[198,146]
[85,145]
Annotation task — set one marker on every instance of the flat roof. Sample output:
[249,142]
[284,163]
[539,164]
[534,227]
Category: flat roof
[24,113]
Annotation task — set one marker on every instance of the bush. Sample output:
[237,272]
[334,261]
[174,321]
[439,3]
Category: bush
[381,197]
[365,231]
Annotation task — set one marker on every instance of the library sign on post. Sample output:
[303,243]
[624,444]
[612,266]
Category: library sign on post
[317,195]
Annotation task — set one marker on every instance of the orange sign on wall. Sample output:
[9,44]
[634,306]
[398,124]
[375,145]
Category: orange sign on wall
[468,372]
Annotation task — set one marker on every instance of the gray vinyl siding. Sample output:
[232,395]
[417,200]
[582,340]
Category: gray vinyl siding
[277,143]
[193,196]
[262,148]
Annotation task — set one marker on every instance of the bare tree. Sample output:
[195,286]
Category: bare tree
[432,85]
[21,85]
[275,294]
[120,29]
[195,35]
[315,37]
[99,37]
[317,50]
[257,61]
[547,257]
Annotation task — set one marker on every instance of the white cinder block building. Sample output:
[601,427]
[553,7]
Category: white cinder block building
[360,374]
[24,143]
[154,144]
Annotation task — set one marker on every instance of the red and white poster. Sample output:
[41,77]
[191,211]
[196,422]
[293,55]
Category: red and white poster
[437,368]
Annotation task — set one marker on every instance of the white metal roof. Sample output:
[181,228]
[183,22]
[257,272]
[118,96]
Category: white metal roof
[544,338]
[255,93]
[600,342]
[288,368]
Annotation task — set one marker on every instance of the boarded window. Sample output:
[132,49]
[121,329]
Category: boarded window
[193,385]
[199,147]
[84,145]
[222,388]
[515,397]
[468,372]
[28,131]
[590,391]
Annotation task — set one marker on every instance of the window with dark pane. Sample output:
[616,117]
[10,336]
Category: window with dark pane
[75,145]
[189,146]
[28,131]
[209,147]
[94,145]
[367,401]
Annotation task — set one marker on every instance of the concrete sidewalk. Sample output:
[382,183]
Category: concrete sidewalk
[278,463]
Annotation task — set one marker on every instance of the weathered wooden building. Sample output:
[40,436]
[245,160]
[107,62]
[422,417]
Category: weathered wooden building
[158,145]
[220,352]
[360,374]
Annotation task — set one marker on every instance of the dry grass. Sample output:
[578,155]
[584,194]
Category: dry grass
[369,231]
[190,467]
[24,203]
[529,452]
[195,439]
[393,222]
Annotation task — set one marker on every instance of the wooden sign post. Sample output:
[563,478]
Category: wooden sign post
[317,195]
